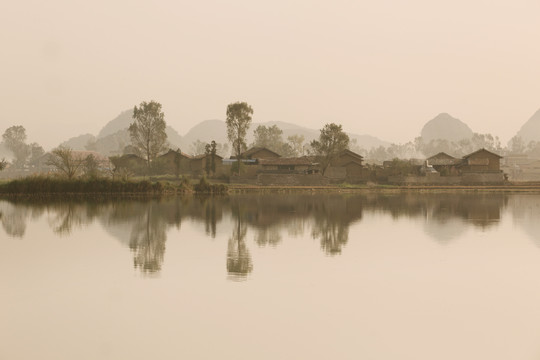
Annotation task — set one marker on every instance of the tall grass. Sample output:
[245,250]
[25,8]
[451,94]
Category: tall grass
[52,185]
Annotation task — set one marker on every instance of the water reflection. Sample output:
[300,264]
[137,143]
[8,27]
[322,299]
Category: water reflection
[142,225]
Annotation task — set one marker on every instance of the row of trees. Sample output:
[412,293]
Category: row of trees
[14,139]
[332,139]
[419,148]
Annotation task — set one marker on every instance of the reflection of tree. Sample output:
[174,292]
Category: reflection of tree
[13,219]
[333,235]
[210,218]
[332,220]
[147,241]
[64,216]
[268,236]
[142,224]
[526,215]
[239,263]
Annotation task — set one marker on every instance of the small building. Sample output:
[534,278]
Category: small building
[174,162]
[198,164]
[258,153]
[481,161]
[347,166]
[298,165]
[444,164]
[346,156]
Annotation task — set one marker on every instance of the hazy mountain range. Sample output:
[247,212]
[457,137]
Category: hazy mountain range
[444,126]
[530,131]
[113,137]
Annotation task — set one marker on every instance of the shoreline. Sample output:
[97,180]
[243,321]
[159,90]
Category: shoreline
[49,187]
[510,188]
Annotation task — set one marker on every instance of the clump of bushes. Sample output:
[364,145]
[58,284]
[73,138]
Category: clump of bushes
[51,185]
[204,187]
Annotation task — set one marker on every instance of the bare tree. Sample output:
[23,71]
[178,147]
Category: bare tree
[62,160]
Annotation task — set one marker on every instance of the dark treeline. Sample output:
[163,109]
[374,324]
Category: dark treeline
[265,218]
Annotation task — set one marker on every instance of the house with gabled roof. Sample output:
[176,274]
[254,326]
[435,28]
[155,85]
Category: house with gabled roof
[258,153]
[347,166]
[198,164]
[481,160]
[174,162]
[298,165]
[444,164]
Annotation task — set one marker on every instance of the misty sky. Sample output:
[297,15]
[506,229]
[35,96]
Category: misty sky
[378,67]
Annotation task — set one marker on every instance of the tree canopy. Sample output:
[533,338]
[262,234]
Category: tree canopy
[15,140]
[238,122]
[271,137]
[147,132]
[332,141]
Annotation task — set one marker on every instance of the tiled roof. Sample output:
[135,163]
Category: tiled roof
[286,161]
[481,150]
[174,151]
[254,150]
[352,153]
[202,156]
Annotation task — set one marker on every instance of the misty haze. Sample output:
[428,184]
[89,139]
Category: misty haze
[270,180]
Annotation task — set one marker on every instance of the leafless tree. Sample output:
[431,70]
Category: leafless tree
[65,162]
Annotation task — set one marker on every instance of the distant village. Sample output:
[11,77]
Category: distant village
[272,161]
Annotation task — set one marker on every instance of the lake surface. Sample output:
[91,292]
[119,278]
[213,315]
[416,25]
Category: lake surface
[408,276]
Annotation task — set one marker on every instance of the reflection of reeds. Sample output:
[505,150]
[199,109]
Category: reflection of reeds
[51,185]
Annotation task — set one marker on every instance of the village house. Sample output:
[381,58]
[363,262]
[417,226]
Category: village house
[481,161]
[199,164]
[479,167]
[347,166]
[444,164]
[295,165]
[175,162]
[258,153]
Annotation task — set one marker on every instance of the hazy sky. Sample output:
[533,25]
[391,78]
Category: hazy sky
[378,67]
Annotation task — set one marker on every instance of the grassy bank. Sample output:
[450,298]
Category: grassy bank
[51,185]
[381,188]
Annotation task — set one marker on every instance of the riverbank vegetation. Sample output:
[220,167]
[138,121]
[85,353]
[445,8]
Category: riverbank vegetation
[37,185]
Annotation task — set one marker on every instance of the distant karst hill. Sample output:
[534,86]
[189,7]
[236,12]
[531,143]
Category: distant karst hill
[121,122]
[114,136]
[209,130]
[530,131]
[446,127]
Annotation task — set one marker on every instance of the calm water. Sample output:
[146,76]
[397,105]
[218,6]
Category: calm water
[272,277]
